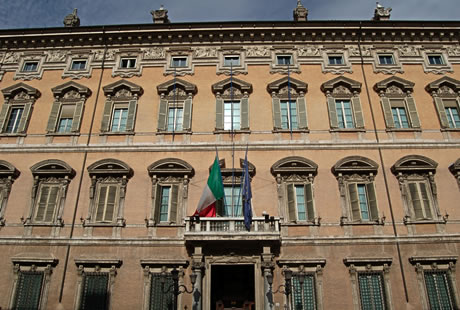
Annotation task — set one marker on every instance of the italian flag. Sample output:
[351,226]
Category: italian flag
[213,191]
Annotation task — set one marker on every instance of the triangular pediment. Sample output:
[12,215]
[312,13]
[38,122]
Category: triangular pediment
[445,80]
[111,89]
[401,83]
[12,90]
[341,80]
[71,85]
[294,83]
[219,87]
[168,86]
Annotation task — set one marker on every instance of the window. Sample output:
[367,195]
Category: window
[386,60]
[160,297]
[335,60]
[294,176]
[436,279]
[170,179]
[95,282]
[283,60]
[8,174]
[398,105]
[67,109]
[415,174]
[370,282]
[304,294]
[78,65]
[232,104]
[288,104]
[109,178]
[127,63]
[30,66]
[455,170]
[447,101]
[231,61]
[179,62]
[175,118]
[120,107]
[343,103]
[16,110]
[47,201]
[435,60]
[356,175]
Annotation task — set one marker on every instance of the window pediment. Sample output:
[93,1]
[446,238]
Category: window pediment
[444,86]
[181,86]
[414,164]
[110,167]
[20,92]
[237,84]
[52,167]
[294,165]
[123,88]
[402,84]
[347,86]
[171,166]
[8,170]
[280,86]
[455,167]
[354,164]
[71,90]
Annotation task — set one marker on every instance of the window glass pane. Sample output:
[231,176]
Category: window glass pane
[175,119]
[30,66]
[94,291]
[164,204]
[335,60]
[14,119]
[120,116]
[233,202]
[179,62]
[28,290]
[435,60]
[284,60]
[161,295]
[363,202]
[231,61]
[78,65]
[400,117]
[344,113]
[386,59]
[128,63]
[232,112]
[438,290]
[288,115]
[371,291]
[453,117]
[306,290]
[300,200]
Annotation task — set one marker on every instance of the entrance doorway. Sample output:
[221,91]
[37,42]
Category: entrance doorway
[232,287]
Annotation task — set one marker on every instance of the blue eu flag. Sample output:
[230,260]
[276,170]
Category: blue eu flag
[247,194]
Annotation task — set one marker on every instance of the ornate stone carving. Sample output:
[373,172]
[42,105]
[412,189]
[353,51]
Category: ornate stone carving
[354,50]
[205,52]
[72,20]
[72,94]
[109,55]
[408,50]
[445,90]
[394,90]
[123,93]
[308,50]
[284,91]
[453,50]
[232,92]
[300,12]
[258,51]
[341,90]
[22,95]
[160,16]
[11,57]
[177,93]
[154,53]
[56,56]
[381,13]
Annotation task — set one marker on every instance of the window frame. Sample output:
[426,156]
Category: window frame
[437,68]
[127,63]
[385,63]
[445,91]
[183,62]
[35,66]
[332,60]
[116,123]
[230,56]
[329,66]
[279,57]
[430,57]
[80,61]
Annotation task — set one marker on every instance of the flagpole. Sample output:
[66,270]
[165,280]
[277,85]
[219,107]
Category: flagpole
[289,102]
[242,179]
[174,106]
[232,135]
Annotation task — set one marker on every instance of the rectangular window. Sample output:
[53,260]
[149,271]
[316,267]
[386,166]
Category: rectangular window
[344,113]
[128,63]
[400,117]
[453,117]
[29,290]
[161,295]
[106,202]
[175,118]
[300,202]
[46,203]
[94,293]
[419,195]
[66,118]
[78,65]
[14,119]
[435,60]
[119,119]
[179,62]
[371,291]
[232,115]
[284,60]
[363,201]
[231,61]
[304,294]
[335,60]
[164,203]
[438,289]
[30,66]
[289,115]
[386,60]
[233,201]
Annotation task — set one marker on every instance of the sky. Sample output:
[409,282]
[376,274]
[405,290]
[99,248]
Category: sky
[50,13]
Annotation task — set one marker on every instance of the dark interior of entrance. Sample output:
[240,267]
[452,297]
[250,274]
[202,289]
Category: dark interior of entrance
[232,286]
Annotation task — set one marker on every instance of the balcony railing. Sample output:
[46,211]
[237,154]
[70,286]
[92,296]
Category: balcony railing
[221,227]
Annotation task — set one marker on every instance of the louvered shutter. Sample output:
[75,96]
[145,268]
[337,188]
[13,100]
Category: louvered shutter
[219,114]
[111,203]
[358,112]
[276,106]
[372,200]
[95,291]
[29,289]
[302,115]
[386,106]
[51,203]
[415,200]
[51,127]
[415,122]
[354,201]
[131,115]
[41,207]
[25,118]
[291,202]
[425,200]
[309,201]
[174,203]
[157,206]
[105,124]
[77,116]
[332,113]
[187,120]
[441,112]
[162,115]
[245,113]
[3,116]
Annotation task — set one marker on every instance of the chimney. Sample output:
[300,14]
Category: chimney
[300,13]
[381,13]
[160,16]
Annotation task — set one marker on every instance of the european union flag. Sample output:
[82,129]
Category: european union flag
[247,194]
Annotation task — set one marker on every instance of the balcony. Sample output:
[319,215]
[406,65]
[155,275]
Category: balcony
[231,228]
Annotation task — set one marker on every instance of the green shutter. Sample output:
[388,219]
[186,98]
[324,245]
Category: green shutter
[187,122]
[158,299]
[245,113]
[3,116]
[276,113]
[28,291]
[415,122]
[77,116]
[162,115]
[173,206]
[302,113]
[415,200]
[386,106]
[439,290]
[157,206]
[332,112]
[354,201]
[291,202]
[426,200]
[358,112]
[51,127]
[105,124]
[372,199]
[111,202]
[131,115]
[219,114]
[25,118]
[95,291]
[309,201]
[441,112]
[371,291]
[52,203]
